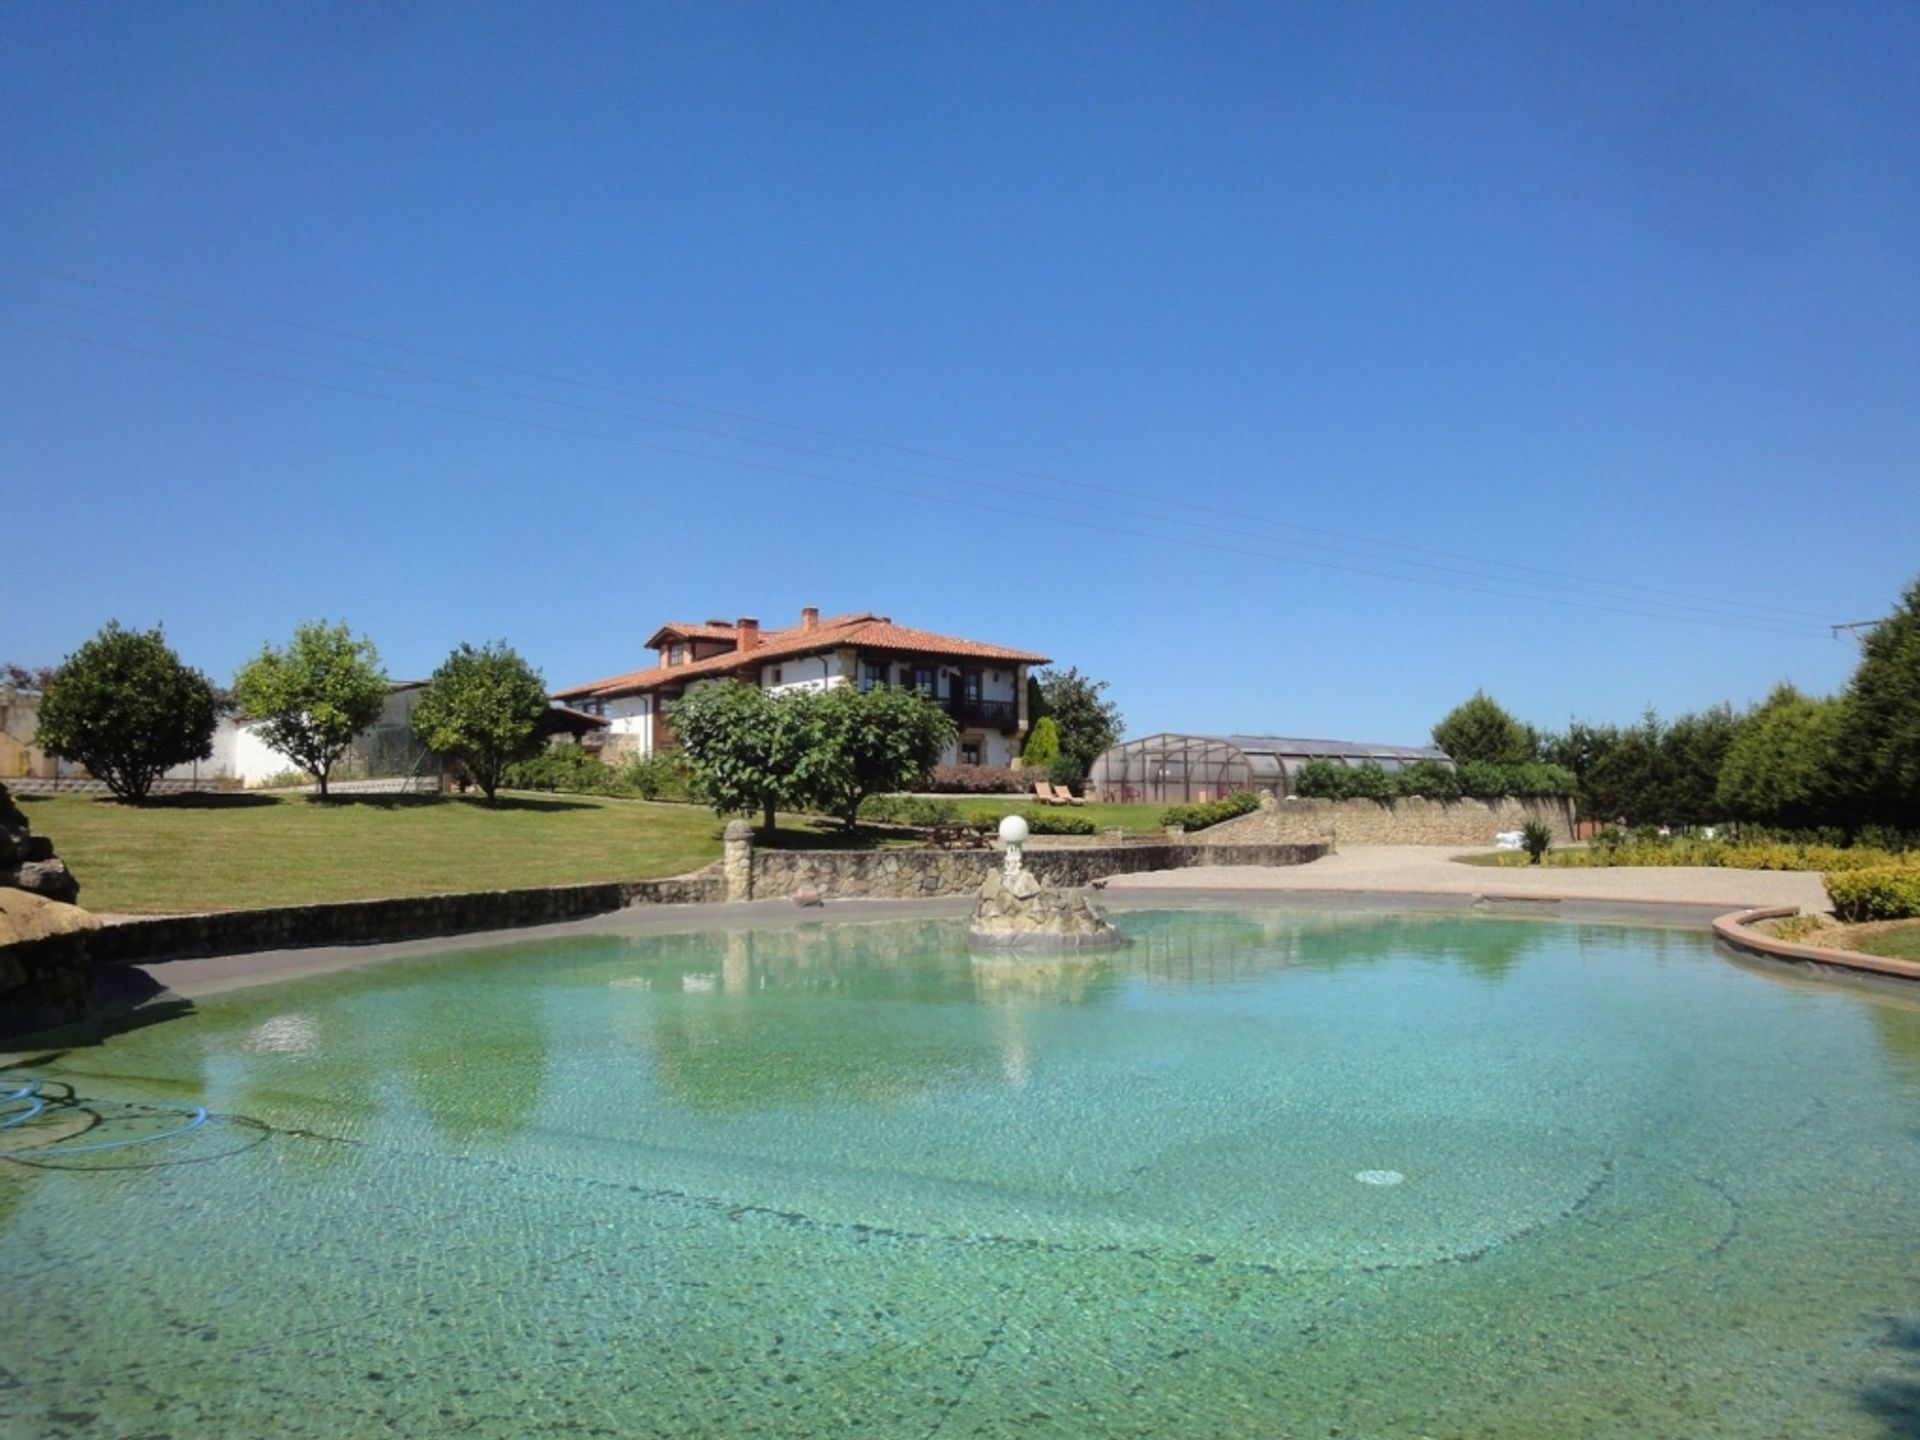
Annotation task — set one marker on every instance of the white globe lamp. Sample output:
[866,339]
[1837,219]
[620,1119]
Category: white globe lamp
[1013,834]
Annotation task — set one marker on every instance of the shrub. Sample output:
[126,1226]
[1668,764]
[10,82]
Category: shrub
[1428,779]
[1369,782]
[980,779]
[1068,771]
[1884,892]
[653,777]
[908,810]
[1536,838]
[1199,817]
[1477,779]
[564,769]
[1057,822]
[1321,780]
[1483,780]
[1043,745]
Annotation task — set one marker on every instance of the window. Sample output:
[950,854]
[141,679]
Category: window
[777,672]
[970,687]
[873,676]
[970,754]
[923,680]
[676,655]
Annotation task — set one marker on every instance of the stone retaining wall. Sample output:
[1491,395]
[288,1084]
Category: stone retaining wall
[372,922]
[1388,822]
[924,874]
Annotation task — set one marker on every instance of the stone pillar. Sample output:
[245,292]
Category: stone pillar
[736,859]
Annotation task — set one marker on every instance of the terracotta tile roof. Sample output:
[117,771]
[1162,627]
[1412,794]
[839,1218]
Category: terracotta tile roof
[708,630]
[860,629]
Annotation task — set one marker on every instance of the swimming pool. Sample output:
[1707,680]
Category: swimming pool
[1266,1173]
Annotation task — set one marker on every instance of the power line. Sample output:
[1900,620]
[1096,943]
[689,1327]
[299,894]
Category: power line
[971,506]
[1695,599]
[913,471]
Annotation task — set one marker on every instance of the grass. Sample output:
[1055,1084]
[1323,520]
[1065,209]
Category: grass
[1895,939]
[223,852]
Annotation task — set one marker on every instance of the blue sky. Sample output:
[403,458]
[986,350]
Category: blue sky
[1223,347]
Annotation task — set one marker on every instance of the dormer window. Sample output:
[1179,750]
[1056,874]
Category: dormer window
[676,654]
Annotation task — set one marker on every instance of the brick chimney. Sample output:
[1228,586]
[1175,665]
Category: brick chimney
[809,618]
[746,632]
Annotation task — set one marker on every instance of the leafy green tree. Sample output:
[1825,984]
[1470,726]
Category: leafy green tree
[1624,781]
[1779,768]
[748,751]
[483,707]
[1479,728]
[1692,749]
[1878,744]
[1580,751]
[1043,743]
[873,742]
[1088,725]
[313,697]
[124,706]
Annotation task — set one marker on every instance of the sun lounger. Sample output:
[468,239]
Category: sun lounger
[1043,792]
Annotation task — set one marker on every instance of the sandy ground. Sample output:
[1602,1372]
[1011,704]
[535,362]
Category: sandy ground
[1431,870]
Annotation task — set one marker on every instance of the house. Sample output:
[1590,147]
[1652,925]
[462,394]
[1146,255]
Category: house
[983,687]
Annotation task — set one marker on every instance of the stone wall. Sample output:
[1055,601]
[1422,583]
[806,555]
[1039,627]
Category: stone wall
[924,874]
[1389,822]
[44,961]
[373,922]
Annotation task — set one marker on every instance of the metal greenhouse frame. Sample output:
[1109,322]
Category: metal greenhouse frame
[1172,768]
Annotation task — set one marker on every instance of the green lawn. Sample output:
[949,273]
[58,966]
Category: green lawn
[224,852]
[1898,941]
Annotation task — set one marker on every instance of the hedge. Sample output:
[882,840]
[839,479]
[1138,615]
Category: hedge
[1212,812]
[1428,779]
[1883,892]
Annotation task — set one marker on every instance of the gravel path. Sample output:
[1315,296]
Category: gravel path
[1431,870]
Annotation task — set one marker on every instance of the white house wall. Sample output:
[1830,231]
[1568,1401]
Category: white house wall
[805,672]
[632,715]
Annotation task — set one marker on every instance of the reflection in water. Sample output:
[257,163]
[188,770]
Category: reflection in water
[1897,1027]
[479,1080]
[1188,948]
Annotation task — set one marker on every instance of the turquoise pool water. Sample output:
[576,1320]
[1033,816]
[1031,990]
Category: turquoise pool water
[1263,1174]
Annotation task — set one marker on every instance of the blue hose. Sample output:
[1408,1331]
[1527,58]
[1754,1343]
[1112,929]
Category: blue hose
[198,1119]
[32,1087]
[33,1109]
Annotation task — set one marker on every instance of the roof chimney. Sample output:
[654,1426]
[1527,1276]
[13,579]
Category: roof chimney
[746,631]
[809,617]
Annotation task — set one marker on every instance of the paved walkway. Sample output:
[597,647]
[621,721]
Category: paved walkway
[1431,870]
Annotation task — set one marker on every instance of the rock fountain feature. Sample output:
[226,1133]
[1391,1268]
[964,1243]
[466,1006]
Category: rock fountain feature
[1020,911]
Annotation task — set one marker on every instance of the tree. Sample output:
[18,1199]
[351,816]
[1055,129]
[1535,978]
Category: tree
[1779,768]
[1479,728]
[1043,743]
[124,706]
[1878,744]
[1088,725]
[748,750]
[313,697]
[30,678]
[1624,781]
[483,708]
[1579,751]
[873,741]
[1692,749]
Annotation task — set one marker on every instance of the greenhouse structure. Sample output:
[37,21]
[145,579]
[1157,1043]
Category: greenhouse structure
[1184,769]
